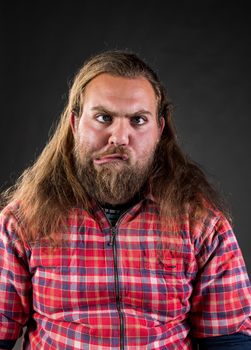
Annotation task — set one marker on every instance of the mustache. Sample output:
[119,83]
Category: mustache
[120,150]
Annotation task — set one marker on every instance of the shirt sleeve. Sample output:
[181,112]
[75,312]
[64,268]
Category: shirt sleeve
[221,301]
[7,344]
[15,279]
[236,341]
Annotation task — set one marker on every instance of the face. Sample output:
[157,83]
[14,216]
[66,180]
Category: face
[116,136]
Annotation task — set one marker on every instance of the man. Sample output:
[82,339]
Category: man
[113,239]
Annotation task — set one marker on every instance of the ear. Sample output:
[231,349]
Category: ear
[161,124]
[73,123]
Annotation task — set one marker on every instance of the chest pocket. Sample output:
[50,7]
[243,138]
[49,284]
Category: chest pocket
[68,279]
[169,262]
[50,257]
[168,277]
[51,271]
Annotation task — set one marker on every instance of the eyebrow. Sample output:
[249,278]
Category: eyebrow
[115,114]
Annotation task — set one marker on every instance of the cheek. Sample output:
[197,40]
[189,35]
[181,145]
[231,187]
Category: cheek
[91,138]
[146,144]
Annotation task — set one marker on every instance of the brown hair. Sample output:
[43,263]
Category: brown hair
[49,188]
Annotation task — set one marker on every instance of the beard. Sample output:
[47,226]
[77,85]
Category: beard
[112,183]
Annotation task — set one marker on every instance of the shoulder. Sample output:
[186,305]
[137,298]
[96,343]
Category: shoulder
[209,229]
[9,215]
[205,222]
[11,226]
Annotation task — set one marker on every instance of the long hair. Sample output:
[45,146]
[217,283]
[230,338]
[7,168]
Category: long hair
[49,188]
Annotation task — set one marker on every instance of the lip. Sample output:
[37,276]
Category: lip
[111,158]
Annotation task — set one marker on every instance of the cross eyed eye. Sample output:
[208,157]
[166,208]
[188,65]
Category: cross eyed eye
[104,118]
[138,120]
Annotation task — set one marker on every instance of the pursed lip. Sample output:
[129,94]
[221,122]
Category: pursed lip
[111,158]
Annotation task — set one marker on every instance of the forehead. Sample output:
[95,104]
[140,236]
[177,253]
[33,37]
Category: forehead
[132,93]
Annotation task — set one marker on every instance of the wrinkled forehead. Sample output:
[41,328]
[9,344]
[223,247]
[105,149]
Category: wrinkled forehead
[120,92]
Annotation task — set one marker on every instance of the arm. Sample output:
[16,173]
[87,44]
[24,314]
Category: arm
[15,281]
[221,302]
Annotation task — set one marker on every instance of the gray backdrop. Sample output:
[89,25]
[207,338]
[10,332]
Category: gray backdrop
[201,50]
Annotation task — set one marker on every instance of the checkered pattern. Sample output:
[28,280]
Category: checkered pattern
[172,286]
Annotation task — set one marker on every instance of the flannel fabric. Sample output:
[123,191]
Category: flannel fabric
[135,286]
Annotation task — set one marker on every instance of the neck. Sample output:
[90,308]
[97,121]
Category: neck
[123,206]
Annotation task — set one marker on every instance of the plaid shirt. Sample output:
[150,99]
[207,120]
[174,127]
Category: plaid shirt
[114,288]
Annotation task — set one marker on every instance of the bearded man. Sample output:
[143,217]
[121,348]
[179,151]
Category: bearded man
[114,239]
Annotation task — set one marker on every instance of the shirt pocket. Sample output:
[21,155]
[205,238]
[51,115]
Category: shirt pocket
[170,283]
[173,267]
[49,257]
[171,263]
[52,279]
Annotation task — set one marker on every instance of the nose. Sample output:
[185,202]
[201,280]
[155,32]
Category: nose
[119,133]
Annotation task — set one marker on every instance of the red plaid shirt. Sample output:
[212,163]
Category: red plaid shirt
[112,287]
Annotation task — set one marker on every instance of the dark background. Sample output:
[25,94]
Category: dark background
[200,49]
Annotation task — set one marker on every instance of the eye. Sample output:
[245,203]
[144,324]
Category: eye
[138,120]
[104,118]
